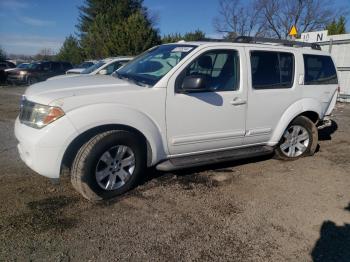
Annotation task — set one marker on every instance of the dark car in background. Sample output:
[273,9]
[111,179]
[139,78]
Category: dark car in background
[38,71]
[3,66]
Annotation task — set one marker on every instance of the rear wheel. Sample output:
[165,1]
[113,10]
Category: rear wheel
[108,165]
[299,139]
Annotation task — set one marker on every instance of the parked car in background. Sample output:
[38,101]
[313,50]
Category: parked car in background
[103,67]
[176,106]
[36,72]
[81,67]
[21,66]
[5,65]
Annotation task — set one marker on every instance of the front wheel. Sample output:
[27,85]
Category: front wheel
[108,165]
[31,80]
[299,139]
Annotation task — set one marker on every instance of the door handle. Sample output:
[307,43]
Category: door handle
[238,102]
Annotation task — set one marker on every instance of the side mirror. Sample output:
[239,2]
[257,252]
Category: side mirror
[195,83]
[103,72]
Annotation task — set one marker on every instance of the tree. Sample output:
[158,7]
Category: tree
[337,27]
[71,51]
[236,19]
[45,54]
[115,27]
[190,36]
[273,18]
[92,8]
[2,54]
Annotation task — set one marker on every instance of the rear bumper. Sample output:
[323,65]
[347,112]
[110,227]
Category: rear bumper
[42,150]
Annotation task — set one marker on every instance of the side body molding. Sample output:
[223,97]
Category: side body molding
[299,107]
[117,114]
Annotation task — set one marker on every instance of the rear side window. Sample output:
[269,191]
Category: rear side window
[319,70]
[272,70]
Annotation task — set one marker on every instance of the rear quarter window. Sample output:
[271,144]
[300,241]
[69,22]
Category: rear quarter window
[319,70]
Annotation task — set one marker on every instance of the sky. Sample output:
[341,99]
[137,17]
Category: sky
[27,26]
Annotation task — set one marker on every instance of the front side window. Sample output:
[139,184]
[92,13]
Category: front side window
[112,67]
[155,63]
[93,67]
[272,70]
[220,69]
[319,70]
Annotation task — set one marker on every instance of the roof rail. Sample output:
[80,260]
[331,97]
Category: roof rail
[250,39]
[255,40]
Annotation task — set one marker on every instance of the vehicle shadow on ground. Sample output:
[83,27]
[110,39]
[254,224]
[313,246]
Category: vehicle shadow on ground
[327,132]
[189,173]
[334,242]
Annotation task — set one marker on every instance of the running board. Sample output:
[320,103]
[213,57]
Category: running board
[212,158]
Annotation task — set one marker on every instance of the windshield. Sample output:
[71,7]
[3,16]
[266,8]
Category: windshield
[34,66]
[85,65]
[93,67]
[24,65]
[151,66]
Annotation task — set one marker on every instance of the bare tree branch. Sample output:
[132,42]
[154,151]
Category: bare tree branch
[273,18]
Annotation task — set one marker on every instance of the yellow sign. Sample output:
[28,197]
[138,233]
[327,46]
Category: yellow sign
[293,31]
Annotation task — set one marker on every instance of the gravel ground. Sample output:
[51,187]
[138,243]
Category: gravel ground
[260,209]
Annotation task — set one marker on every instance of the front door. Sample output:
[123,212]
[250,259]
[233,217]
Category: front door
[213,119]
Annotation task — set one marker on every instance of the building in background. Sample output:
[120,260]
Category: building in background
[339,47]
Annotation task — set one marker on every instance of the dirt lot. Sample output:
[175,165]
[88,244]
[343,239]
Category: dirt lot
[256,210]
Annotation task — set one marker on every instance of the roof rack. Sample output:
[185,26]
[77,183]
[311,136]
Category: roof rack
[262,40]
[250,39]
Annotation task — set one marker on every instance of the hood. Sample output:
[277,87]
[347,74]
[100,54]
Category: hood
[63,76]
[17,70]
[49,91]
[10,69]
[76,70]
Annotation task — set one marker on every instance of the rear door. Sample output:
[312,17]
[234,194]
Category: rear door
[272,89]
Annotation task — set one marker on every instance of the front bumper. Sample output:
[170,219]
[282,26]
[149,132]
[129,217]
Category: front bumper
[16,79]
[42,150]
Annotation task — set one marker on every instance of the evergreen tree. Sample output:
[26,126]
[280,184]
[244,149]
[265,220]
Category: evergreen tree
[70,51]
[2,54]
[190,36]
[92,8]
[115,27]
[194,36]
[337,27]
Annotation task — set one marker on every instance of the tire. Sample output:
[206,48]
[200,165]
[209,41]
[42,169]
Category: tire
[93,162]
[31,80]
[302,135]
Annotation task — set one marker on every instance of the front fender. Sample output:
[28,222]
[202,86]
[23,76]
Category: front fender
[299,107]
[91,116]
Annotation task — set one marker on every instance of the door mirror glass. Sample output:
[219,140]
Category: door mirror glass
[194,83]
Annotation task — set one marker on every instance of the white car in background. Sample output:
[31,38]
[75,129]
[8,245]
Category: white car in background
[81,67]
[103,67]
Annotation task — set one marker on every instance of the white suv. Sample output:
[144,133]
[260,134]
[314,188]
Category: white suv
[176,106]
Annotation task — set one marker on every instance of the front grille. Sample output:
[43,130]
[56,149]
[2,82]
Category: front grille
[26,110]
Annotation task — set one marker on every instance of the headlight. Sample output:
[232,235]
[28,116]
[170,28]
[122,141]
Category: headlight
[37,115]
[22,73]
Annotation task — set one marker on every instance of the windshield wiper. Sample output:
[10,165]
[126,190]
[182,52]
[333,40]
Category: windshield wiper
[130,79]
